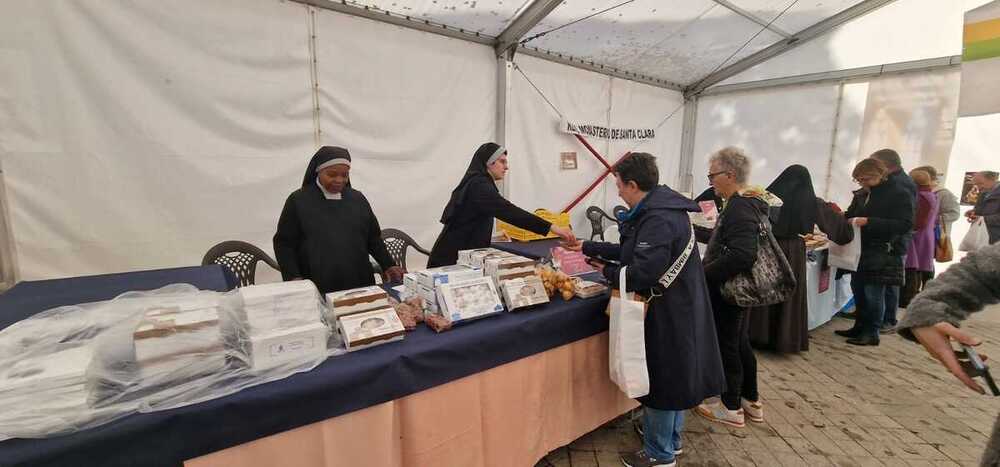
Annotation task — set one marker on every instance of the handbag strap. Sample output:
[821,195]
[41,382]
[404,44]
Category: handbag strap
[675,269]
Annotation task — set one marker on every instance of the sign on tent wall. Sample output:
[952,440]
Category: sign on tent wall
[536,137]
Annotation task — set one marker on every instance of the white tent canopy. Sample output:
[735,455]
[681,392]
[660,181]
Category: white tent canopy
[136,135]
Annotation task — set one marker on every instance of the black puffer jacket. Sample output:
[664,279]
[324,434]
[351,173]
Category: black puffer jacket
[732,248]
[890,212]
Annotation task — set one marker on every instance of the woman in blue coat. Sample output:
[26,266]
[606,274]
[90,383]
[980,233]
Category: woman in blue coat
[682,353]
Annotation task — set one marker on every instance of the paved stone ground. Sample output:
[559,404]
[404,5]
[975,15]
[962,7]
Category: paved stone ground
[836,405]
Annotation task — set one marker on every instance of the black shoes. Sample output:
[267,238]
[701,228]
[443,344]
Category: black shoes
[853,332]
[863,340]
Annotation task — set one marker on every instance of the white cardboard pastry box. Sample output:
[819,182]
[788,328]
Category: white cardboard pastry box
[172,344]
[497,265]
[431,278]
[409,286]
[523,292]
[370,328]
[465,257]
[298,345]
[468,300]
[278,305]
[346,302]
[59,378]
[478,259]
[588,289]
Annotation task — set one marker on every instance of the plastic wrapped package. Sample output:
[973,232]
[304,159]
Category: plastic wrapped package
[77,367]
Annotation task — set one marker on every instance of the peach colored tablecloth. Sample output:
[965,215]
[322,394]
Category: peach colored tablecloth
[508,416]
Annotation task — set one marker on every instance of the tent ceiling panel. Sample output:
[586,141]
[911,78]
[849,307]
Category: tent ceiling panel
[488,17]
[679,44]
[801,15]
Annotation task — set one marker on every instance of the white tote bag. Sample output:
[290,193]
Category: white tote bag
[846,257]
[977,237]
[627,342]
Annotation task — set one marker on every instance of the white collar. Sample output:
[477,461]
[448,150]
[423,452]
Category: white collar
[327,194]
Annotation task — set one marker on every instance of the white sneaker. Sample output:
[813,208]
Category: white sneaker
[754,410]
[717,412]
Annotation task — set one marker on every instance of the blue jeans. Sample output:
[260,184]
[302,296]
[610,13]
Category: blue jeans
[891,305]
[662,432]
[870,302]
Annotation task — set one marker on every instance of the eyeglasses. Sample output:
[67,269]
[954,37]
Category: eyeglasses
[714,174]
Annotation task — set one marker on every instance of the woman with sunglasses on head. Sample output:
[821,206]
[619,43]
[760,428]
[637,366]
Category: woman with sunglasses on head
[884,211]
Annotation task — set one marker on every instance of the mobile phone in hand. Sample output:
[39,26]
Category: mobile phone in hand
[975,367]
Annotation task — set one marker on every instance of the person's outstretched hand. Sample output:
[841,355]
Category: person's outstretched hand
[564,233]
[937,340]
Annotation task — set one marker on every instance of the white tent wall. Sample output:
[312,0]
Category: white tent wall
[901,31]
[536,180]
[913,113]
[412,107]
[136,135]
[777,128]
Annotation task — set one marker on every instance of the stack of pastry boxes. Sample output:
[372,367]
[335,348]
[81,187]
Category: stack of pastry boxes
[177,339]
[515,277]
[283,324]
[58,378]
[429,282]
[364,317]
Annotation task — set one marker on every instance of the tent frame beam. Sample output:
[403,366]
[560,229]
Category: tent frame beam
[799,38]
[376,14]
[851,74]
[598,68]
[522,23]
[752,17]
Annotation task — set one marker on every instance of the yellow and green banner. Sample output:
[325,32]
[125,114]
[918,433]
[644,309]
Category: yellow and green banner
[981,61]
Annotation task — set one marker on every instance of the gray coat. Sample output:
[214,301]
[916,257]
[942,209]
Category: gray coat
[949,211]
[964,288]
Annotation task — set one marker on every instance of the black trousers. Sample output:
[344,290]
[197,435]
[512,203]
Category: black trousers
[732,323]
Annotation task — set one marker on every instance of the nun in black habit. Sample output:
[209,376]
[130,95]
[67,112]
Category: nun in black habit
[327,229]
[783,327]
[475,202]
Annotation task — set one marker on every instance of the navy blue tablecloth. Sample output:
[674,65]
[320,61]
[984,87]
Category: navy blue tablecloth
[340,385]
[30,297]
[538,249]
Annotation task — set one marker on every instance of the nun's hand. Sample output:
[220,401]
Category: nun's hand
[394,274]
[575,246]
[564,233]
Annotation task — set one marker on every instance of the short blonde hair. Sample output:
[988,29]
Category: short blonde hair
[921,177]
[733,160]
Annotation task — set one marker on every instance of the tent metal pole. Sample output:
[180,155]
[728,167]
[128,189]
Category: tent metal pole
[524,22]
[914,66]
[597,68]
[752,17]
[833,140]
[685,178]
[799,38]
[504,68]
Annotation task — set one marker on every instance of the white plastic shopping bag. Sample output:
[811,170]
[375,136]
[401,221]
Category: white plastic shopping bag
[627,342]
[846,257]
[977,237]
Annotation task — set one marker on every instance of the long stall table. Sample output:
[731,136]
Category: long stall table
[500,391]
[822,293]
